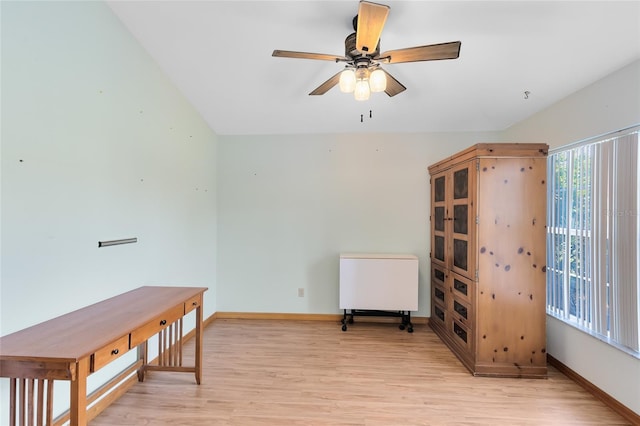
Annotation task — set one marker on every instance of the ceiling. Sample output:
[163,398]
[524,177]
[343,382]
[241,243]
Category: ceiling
[218,53]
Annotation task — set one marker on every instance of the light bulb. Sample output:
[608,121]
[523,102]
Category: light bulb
[362,91]
[378,81]
[347,81]
[362,73]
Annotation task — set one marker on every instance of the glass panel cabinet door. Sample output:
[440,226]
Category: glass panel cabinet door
[439,219]
[463,221]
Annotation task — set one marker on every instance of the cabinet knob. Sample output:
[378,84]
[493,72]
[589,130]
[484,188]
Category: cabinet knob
[195,303]
[115,352]
[163,322]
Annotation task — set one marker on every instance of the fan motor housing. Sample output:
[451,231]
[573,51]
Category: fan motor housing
[350,50]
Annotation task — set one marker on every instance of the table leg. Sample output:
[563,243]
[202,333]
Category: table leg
[78,410]
[198,344]
[142,355]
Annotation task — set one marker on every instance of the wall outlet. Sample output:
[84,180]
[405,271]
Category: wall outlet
[301,292]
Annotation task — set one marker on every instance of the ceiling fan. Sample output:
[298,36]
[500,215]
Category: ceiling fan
[363,73]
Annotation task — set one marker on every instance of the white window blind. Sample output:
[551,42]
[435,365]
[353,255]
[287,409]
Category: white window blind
[593,244]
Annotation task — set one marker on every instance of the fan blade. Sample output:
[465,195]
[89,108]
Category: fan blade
[324,87]
[306,55]
[371,19]
[432,52]
[393,86]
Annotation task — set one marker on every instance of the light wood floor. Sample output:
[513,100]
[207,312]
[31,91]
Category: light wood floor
[262,372]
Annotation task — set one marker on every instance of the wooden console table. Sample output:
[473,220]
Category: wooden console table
[75,345]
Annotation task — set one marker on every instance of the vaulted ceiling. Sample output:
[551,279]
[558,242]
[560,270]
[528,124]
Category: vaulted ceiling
[218,53]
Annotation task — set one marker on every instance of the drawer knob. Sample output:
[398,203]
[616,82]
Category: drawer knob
[163,322]
[195,304]
[115,352]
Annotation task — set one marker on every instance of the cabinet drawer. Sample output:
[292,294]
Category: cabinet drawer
[462,335]
[154,326]
[440,296]
[463,288]
[110,352]
[462,312]
[438,275]
[191,304]
[438,292]
[438,313]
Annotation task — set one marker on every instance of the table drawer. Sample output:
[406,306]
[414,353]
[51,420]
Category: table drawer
[160,322]
[110,352]
[191,304]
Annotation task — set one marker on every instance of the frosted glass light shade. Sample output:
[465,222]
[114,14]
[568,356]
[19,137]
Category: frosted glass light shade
[347,81]
[362,91]
[378,81]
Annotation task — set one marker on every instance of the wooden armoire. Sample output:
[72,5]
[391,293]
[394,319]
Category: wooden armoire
[488,257]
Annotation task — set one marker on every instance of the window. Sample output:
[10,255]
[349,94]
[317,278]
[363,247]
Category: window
[593,245]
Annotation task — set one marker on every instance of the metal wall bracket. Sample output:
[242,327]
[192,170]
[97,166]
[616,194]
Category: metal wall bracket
[117,242]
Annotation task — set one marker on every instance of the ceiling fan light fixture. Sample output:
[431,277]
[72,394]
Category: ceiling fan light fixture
[362,91]
[377,81]
[362,56]
[362,72]
[347,81]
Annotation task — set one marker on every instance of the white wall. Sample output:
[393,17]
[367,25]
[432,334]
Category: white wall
[96,145]
[610,104]
[289,205]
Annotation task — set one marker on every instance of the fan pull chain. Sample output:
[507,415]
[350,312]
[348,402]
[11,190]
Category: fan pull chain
[362,116]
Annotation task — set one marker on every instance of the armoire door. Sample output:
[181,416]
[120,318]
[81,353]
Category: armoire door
[439,228]
[461,216]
